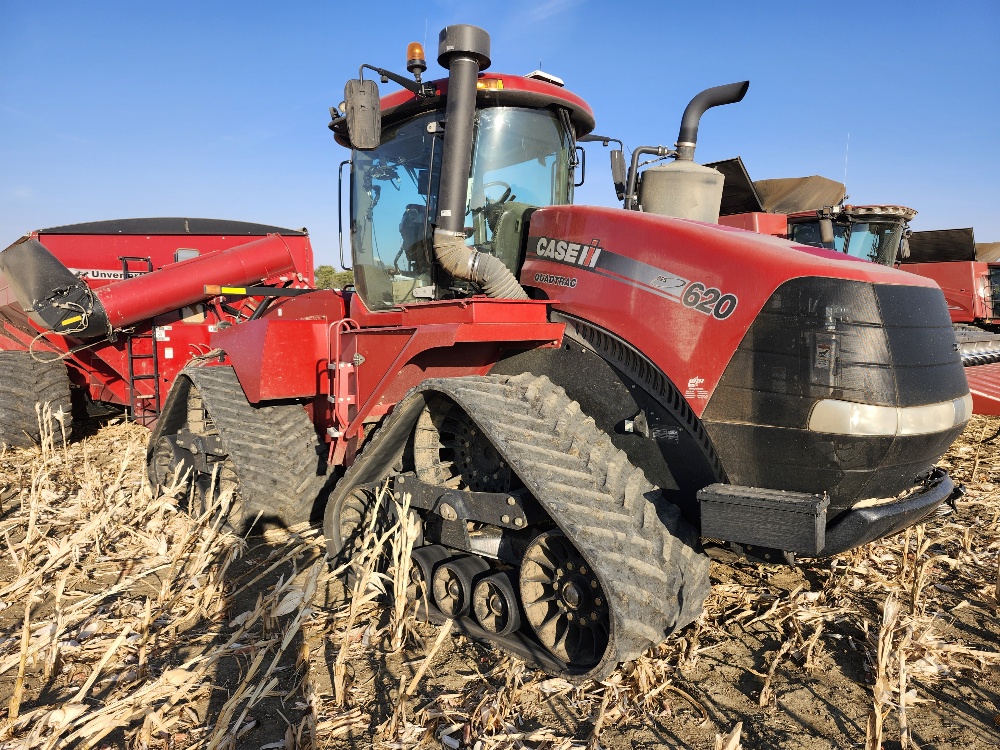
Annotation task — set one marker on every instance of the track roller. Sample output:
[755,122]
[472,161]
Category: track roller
[494,600]
[453,583]
[424,559]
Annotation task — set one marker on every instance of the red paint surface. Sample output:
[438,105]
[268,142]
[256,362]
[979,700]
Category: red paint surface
[984,383]
[685,344]
[775,225]
[966,287]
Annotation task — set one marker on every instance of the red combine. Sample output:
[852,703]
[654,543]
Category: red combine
[579,401]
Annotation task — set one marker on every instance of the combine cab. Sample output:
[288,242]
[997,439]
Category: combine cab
[579,402]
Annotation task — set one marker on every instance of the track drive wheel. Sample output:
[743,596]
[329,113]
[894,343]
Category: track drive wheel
[24,382]
[563,601]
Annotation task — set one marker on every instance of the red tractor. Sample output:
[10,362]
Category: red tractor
[579,401]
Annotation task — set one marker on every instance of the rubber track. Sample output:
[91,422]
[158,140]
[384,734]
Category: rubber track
[23,383]
[275,449]
[645,555]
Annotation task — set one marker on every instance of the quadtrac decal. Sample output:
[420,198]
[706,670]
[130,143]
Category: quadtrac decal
[593,258]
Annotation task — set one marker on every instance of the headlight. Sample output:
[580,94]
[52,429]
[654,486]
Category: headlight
[849,418]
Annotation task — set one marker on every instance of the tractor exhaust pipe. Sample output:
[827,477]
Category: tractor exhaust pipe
[464,50]
[716,96]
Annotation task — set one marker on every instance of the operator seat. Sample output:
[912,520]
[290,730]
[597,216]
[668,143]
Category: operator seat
[510,230]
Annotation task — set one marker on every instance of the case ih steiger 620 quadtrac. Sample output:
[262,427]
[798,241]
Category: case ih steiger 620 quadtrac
[571,396]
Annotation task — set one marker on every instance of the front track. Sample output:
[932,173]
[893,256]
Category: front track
[633,545]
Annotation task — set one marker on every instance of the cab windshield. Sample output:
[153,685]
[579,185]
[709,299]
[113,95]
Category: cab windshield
[877,241]
[520,160]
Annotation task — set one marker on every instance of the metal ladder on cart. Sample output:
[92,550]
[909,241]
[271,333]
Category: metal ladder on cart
[150,410]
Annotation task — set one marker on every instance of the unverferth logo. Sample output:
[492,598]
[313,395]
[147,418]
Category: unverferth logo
[572,253]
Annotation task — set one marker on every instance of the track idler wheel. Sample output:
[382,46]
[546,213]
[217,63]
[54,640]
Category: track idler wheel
[167,459]
[453,582]
[494,600]
[563,601]
[352,517]
[424,560]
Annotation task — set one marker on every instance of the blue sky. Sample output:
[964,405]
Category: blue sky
[114,109]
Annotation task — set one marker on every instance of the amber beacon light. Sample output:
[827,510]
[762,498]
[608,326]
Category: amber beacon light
[416,63]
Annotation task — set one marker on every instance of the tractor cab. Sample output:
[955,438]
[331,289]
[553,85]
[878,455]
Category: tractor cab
[523,157]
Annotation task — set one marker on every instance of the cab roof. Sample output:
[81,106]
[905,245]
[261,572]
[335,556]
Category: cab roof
[494,90]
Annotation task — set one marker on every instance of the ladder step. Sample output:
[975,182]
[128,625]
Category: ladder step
[143,356]
[144,377]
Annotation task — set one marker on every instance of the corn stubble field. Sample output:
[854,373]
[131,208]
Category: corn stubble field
[124,622]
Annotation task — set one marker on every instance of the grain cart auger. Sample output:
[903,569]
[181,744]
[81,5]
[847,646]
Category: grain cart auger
[570,395]
[108,314]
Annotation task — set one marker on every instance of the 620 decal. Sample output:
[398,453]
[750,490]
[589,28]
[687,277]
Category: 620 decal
[709,300]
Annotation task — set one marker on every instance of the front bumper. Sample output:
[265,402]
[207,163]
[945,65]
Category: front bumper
[862,525]
[796,522]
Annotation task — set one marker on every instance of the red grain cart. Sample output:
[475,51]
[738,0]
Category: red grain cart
[140,313]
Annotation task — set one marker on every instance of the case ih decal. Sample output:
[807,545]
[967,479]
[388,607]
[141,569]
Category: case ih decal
[692,294]
[571,253]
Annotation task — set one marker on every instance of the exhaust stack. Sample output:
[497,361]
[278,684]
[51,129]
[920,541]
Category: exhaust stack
[464,50]
[56,299]
[716,96]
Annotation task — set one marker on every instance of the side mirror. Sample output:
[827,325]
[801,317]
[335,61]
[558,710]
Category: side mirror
[904,247]
[826,231]
[618,172]
[364,114]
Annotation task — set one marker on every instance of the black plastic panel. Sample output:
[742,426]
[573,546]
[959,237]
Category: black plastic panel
[835,339]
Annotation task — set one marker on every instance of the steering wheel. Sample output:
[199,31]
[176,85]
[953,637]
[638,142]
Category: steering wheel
[497,183]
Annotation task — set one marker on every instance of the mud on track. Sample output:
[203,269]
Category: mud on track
[126,623]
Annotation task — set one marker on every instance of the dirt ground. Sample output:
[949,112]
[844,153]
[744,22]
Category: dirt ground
[126,623]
